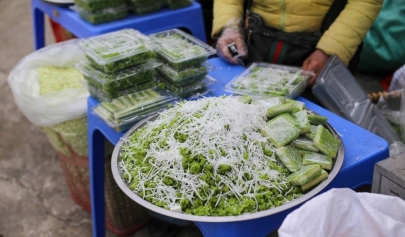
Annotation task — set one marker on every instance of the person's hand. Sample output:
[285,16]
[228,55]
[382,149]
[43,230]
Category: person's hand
[228,36]
[315,62]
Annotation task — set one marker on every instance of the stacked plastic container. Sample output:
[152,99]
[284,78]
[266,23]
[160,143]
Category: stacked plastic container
[269,80]
[101,11]
[184,66]
[120,73]
[339,92]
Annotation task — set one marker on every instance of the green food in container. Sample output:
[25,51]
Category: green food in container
[94,5]
[141,7]
[103,15]
[112,84]
[269,80]
[175,4]
[191,90]
[183,77]
[181,50]
[118,50]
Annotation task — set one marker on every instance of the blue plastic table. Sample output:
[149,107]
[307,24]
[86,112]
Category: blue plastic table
[190,18]
[362,150]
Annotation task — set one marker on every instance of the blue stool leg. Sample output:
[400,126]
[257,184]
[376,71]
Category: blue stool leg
[38,27]
[96,159]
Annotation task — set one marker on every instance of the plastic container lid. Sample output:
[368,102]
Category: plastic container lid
[177,46]
[184,77]
[138,103]
[339,92]
[266,79]
[115,46]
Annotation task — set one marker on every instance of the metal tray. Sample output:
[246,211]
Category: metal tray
[117,174]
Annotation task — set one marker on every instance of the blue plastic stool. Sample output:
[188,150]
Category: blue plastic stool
[190,18]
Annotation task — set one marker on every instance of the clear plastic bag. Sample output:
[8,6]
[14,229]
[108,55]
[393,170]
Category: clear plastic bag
[392,107]
[53,108]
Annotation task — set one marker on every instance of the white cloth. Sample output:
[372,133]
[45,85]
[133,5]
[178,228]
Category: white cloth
[345,213]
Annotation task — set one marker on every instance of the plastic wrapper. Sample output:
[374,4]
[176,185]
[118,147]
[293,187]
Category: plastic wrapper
[112,84]
[52,108]
[268,80]
[94,5]
[117,50]
[339,91]
[181,50]
[186,76]
[103,15]
[174,4]
[343,212]
[392,107]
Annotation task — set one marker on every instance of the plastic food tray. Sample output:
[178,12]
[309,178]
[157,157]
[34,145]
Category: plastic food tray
[118,50]
[339,92]
[136,104]
[186,76]
[181,50]
[141,7]
[113,83]
[103,15]
[94,5]
[268,80]
[107,97]
[192,90]
[174,4]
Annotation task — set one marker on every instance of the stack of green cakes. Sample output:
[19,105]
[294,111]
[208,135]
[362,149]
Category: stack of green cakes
[184,58]
[119,70]
[101,11]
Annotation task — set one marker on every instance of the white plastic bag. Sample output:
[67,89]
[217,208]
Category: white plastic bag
[345,213]
[56,107]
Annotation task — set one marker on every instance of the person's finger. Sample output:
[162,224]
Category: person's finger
[305,64]
[240,45]
[311,81]
[223,52]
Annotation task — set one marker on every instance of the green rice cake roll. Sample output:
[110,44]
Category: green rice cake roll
[302,121]
[311,158]
[317,119]
[290,158]
[304,144]
[280,132]
[279,109]
[306,174]
[311,133]
[326,142]
[315,181]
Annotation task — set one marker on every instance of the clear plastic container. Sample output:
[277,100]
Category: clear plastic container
[174,4]
[118,50]
[113,83]
[103,15]
[339,91]
[184,77]
[139,103]
[269,80]
[94,5]
[142,7]
[181,50]
[193,90]
[102,96]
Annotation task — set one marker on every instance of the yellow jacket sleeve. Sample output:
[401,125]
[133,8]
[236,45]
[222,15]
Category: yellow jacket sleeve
[349,29]
[225,11]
